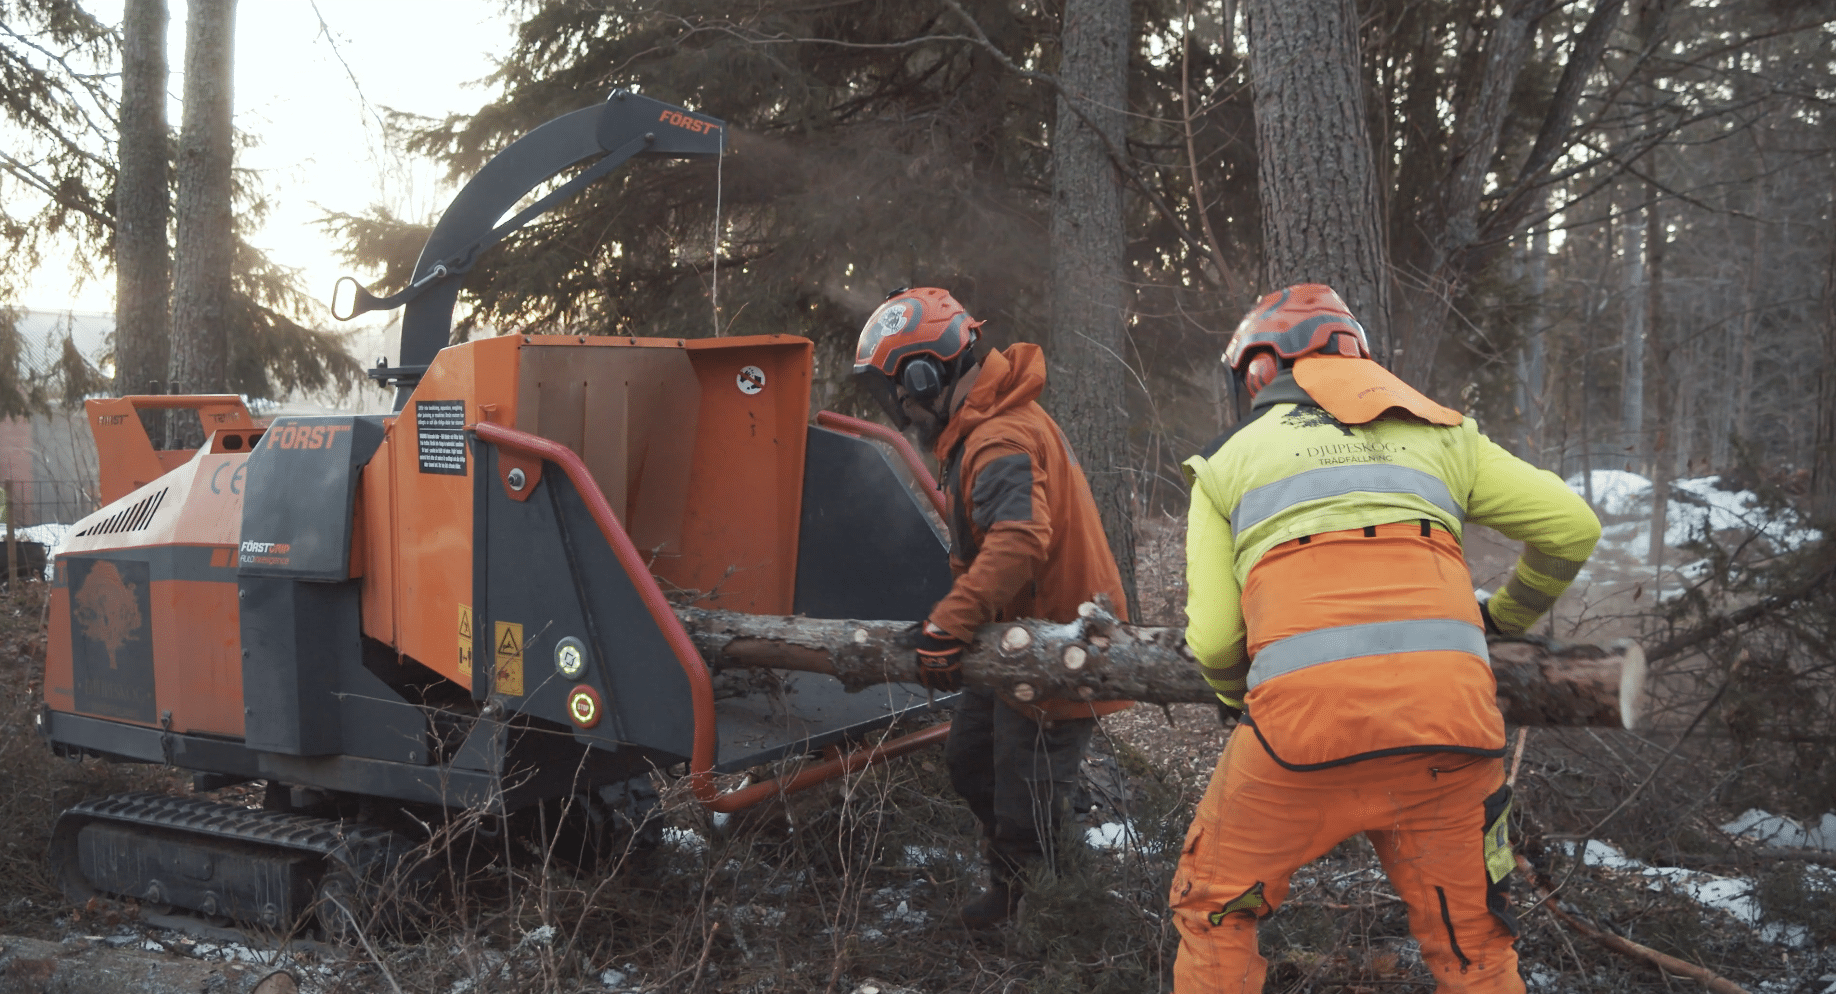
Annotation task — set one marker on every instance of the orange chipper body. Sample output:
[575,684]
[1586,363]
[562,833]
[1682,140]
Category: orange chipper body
[462,603]
[450,564]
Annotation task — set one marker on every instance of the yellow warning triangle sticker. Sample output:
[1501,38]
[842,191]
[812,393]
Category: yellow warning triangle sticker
[507,646]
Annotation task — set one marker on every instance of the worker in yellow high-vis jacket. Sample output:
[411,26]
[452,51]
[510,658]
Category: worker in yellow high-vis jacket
[1330,603]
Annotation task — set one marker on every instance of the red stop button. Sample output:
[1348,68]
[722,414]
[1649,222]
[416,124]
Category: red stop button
[584,707]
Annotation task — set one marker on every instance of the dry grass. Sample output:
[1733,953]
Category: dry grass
[37,785]
[856,883]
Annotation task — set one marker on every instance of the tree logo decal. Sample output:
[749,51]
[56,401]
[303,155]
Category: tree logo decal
[107,609]
[1304,416]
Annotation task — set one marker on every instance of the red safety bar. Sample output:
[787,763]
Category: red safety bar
[855,426]
[701,687]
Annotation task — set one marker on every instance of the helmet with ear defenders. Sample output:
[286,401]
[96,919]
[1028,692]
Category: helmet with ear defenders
[1304,319]
[917,339]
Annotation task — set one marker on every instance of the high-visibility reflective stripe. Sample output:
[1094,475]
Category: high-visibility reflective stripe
[1329,645]
[1337,481]
[1529,596]
[1550,566]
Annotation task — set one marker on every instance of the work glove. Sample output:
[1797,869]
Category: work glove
[1228,714]
[940,659]
[1485,611]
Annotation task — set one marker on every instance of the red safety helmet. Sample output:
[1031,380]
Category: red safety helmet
[1304,319]
[918,339]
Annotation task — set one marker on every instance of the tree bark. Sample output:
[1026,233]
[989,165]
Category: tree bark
[1532,355]
[1321,210]
[1088,386]
[206,235]
[1632,344]
[143,207]
[1823,452]
[1662,347]
[1741,333]
[1098,659]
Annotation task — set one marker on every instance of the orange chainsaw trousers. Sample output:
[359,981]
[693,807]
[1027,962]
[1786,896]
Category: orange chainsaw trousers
[1258,823]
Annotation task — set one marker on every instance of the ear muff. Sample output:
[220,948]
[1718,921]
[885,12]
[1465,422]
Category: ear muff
[1261,371]
[922,377]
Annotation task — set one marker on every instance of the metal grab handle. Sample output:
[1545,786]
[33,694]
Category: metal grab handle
[856,426]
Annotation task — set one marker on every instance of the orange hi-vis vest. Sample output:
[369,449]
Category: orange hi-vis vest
[1327,592]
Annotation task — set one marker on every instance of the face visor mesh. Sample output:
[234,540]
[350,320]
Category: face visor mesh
[880,387]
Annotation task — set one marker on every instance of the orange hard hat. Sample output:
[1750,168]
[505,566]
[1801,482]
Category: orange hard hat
[1304,319]
[916,339]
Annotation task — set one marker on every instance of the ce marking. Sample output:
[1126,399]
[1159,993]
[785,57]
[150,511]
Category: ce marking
[236,478]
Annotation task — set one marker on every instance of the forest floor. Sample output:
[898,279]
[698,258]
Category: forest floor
[852,887]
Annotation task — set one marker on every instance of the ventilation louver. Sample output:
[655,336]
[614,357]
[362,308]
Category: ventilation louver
[131,519]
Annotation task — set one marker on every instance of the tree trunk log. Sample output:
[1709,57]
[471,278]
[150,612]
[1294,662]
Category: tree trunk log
[1089,258]
[1322,211]
[143,207]
[204,256]
[1098,659]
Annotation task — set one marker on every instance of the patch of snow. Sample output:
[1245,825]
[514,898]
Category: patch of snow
[1615,490]
[621,979]
[906,915]
[755,915]
[684,839]
[926,855]
[1776,830]
[1733,895]
[1112,835]
[51,536]
[1697,506]
[1599,853]
[1720,510]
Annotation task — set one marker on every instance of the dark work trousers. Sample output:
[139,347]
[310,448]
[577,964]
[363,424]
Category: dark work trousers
[1018,775]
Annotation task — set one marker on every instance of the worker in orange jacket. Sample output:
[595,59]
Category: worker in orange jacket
[1329,603]
[1025,542]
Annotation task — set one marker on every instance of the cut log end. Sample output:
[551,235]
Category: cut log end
[1016,639]
[1577,685]
[1075,657]
[1023,692]
[1632,669]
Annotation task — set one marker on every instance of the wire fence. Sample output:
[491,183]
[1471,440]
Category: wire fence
[45,502]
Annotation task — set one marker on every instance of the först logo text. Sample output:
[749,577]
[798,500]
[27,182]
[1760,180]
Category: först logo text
[281,548]
[304,436]
[686,122]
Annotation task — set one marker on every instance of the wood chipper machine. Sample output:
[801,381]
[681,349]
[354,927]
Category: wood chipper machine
[467,603]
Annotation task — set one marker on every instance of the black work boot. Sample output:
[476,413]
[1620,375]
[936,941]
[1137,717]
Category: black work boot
[996,905]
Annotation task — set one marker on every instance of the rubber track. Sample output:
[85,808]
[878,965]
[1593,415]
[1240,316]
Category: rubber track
[350,843]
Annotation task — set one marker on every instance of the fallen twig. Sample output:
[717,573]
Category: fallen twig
[1709,979]
[1721,624]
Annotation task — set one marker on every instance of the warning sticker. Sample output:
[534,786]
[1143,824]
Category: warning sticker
[509,678]
[440,429]
[465,639]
